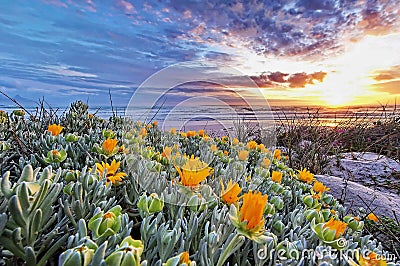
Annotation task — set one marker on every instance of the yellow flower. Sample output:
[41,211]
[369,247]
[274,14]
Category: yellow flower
[262,148]
[243,154]
[372,260]
[251,144]
[109,145]
[338,226]
[224,138]
[276,176]
[235,141]
[191,134]
[305,176]
[143,132]
[372,217]
[206,138]
[184,258]
[172,130]
[265,162]
[252,209]
[230,195]
[55,129]
[277,154]
[193,171]
[213,148]
[111,175]
[167,152]
[201,133]
[319,187]
[183,134]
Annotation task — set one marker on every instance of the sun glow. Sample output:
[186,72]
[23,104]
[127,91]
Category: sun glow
[349,78]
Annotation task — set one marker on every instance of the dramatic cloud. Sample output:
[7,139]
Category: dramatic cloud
[387,74]
[96,45]
[296,80]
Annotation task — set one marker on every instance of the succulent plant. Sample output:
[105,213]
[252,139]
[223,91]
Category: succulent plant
[164,207]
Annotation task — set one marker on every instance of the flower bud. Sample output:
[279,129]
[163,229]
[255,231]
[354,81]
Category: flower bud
[313,214]
[150,204]
[197,203]
[278,226]
[19,112]
[308,201]
[277,201]
[127,253]
[106,224]
[55,156]
[71,137]
[108,133]
[81,255]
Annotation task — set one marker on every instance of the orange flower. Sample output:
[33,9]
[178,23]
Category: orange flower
[108,215]
[191,134]
[372,217]
[253,208]
[235,141]
[251,144]
[262,148]
[201,132]
[167,152]
[277,154]
[184,258]
[319,187]
[172,130]
[230,195]
[143,132]
[155,123]
[193,171]
[226,152]
[109,145]
[213,147]
[266,162]
[338,226]
[305,176]
[372,260]
[112,175]
[276,176]
[55,129]
[243,154]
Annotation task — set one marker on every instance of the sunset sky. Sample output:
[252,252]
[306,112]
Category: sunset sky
[298,52]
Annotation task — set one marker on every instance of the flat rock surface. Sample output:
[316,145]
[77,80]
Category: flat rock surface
[356,195]
[369,169]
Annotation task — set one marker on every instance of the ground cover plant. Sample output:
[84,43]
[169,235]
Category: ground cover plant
[77,189]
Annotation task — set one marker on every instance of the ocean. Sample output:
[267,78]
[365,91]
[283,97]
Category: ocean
[206,116]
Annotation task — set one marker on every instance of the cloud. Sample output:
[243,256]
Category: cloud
[296,80]
[392,73]
[391,87]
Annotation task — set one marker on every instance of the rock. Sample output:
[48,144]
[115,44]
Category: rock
[370,169]
[351,193]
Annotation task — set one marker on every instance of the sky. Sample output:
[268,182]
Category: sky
[293,52]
